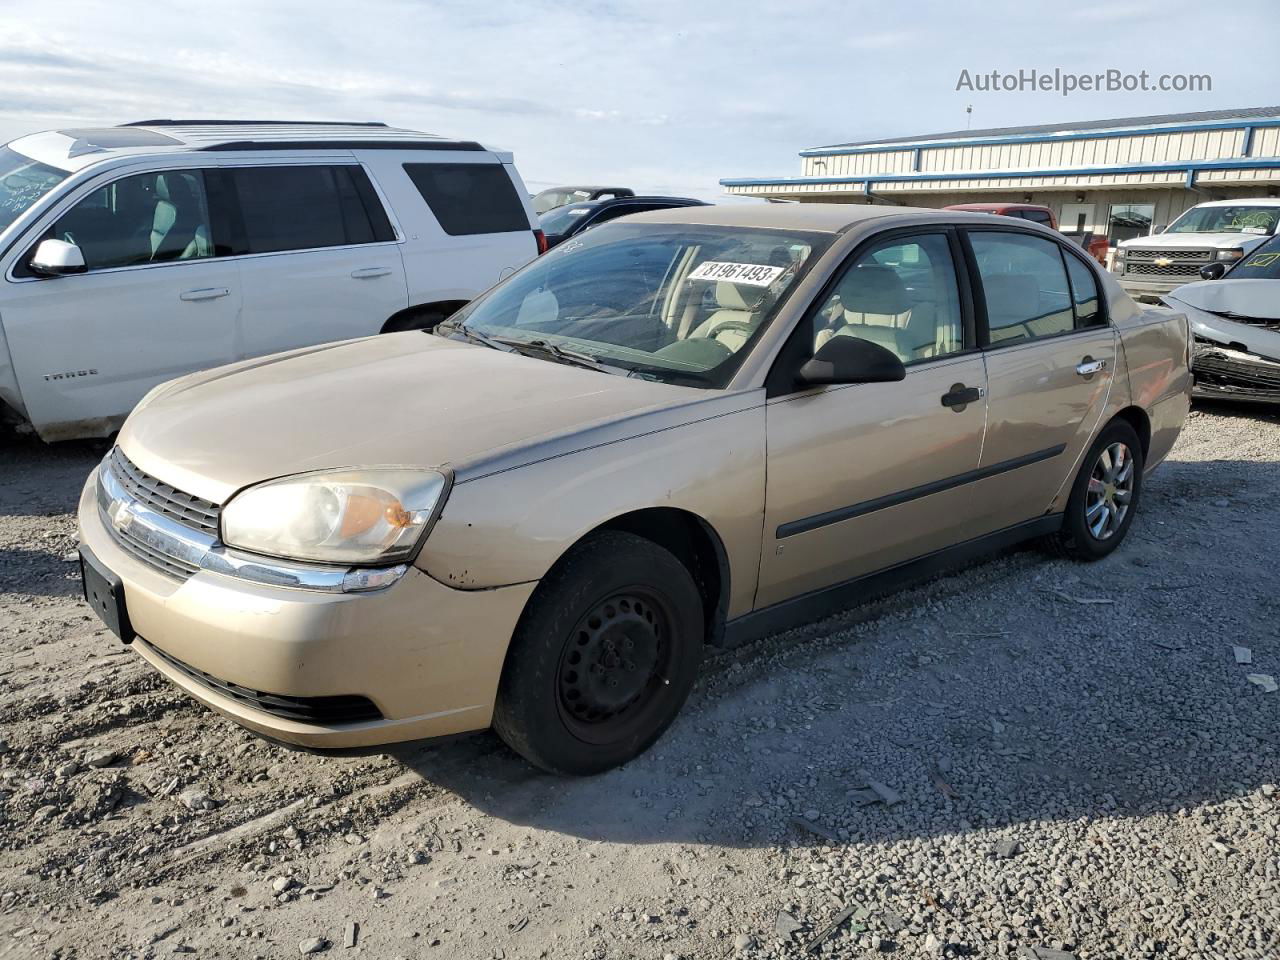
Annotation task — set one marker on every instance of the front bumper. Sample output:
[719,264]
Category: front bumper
[1225,373]
[427,656]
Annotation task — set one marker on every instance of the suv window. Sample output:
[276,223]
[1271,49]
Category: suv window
[1084,293]
[1037,216]
[301,207]
[901,294]
[469,198]
[147,218]
[1025,283]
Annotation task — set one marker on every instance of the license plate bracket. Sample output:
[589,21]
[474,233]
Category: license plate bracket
[104,592]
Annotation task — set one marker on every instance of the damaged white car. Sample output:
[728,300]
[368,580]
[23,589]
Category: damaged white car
[1235,317]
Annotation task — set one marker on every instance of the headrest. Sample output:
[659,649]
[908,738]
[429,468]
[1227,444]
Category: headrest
[730,296]
[1012,294]
[872,288]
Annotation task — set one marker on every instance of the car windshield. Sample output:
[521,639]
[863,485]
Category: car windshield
[550,199]
[1244,218]
[1262,264]
[559,220]
[23,181]
[672,302]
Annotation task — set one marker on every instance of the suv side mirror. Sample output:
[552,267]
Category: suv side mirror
[1212,271]
[1161,228]
[57,258]
[847,359]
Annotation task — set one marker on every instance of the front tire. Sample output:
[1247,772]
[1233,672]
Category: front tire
[603,658]
[1105,495]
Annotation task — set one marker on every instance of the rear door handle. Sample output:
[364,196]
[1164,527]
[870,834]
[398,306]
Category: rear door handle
[204,293]
[370,273]
[960,396]
[1089,366]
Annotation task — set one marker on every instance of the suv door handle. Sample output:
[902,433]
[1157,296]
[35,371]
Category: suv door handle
[960,396]
[204,293]
[1089,366]
[370,273]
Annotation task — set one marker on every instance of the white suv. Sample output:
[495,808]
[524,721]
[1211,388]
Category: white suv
[134,254]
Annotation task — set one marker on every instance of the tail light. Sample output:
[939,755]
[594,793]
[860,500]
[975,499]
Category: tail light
[541,239]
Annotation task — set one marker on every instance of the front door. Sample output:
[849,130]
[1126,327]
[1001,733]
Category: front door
[156,302]
[1050,362]
[861,477]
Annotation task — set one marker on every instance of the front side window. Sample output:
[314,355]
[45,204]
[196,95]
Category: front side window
[23,181]
[469,198]
[304,207]
[901,294]
[672,302]
[1234,218]
[1025,284]
[147,218]
[1128,220]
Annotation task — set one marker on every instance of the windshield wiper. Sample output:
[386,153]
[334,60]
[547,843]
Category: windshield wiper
[559,353]
[474,336]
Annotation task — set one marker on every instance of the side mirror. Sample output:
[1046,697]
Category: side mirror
[1161,228]
[57,258]
[1212,271]
[846,359]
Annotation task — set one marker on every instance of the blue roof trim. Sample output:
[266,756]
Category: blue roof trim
[1066,135]
[1243,163]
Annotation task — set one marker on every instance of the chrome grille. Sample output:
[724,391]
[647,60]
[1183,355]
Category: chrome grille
[164,499]
[148,554]
[1175,270]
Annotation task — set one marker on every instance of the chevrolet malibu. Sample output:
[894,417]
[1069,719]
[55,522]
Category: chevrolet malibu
[689,428]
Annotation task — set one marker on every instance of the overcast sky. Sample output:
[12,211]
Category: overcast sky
[667,97]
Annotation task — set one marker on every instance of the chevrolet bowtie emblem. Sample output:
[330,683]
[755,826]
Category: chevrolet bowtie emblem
[1162,261]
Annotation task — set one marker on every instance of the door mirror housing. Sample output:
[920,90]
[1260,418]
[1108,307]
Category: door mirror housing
[1161,228]
[846,359]
[1212,271]
[57,258]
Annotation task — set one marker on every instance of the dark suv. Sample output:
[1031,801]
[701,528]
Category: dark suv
[564,222]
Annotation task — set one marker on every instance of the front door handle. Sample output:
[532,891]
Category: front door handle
[370,273]
[960,396]
[1089,366]
[204,293]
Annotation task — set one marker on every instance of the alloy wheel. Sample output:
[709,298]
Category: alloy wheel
[1110,492]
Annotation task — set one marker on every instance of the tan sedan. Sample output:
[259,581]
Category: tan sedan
[680,429]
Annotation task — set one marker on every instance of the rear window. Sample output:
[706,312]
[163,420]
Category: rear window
[303,207]
[469,198]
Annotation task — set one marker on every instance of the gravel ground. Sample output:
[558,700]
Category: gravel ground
[1028,758]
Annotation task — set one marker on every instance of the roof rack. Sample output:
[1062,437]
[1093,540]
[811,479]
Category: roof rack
[253,123]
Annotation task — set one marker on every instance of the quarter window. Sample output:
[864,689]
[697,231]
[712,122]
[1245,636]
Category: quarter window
[1084,293]
[900,294]
[469,198]
[1025,285]
[302,207]
[147,218]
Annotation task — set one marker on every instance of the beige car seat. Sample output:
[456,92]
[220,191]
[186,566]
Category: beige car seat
[727,323]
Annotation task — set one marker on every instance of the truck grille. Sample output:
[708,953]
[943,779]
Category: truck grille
[322,710]
[162,498]
[1182,264]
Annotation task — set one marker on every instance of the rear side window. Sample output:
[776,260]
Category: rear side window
[1037,216]
[469,198]
[304,207]
[1025,285]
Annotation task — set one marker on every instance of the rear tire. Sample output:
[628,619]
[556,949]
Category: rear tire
[603,658]
[1104,496]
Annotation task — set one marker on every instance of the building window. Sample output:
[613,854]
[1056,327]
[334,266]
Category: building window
[1129,220]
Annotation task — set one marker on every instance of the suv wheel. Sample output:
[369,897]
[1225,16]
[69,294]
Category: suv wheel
[603,658]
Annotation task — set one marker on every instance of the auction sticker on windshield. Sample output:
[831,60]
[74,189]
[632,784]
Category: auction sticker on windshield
[752,274]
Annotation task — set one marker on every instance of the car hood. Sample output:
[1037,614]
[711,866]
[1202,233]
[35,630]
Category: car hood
[1255,305]
[1193,241]
[405,399]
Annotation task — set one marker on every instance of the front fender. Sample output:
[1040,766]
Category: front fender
[512,526]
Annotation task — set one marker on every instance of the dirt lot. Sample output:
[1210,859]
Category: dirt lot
[1025,757]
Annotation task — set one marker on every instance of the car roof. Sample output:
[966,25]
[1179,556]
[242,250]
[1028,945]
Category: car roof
[1243,201]
[75,147]
[820,217]
[995,206]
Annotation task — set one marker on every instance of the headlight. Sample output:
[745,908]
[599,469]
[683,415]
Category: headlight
[1230,254]
[345,516]
[1120,253]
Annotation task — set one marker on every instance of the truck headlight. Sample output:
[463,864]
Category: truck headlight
[1120,253]
[1230,254]
[371,516]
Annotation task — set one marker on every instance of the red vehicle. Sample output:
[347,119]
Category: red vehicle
[1095,244]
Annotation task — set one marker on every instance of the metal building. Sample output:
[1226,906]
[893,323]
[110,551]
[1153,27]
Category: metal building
[1123,178]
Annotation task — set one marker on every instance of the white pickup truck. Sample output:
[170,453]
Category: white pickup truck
[1220,231]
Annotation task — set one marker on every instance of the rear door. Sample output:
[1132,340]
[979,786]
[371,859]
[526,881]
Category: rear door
[1050,356]
[861,477]
[319,255]
[160,298]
